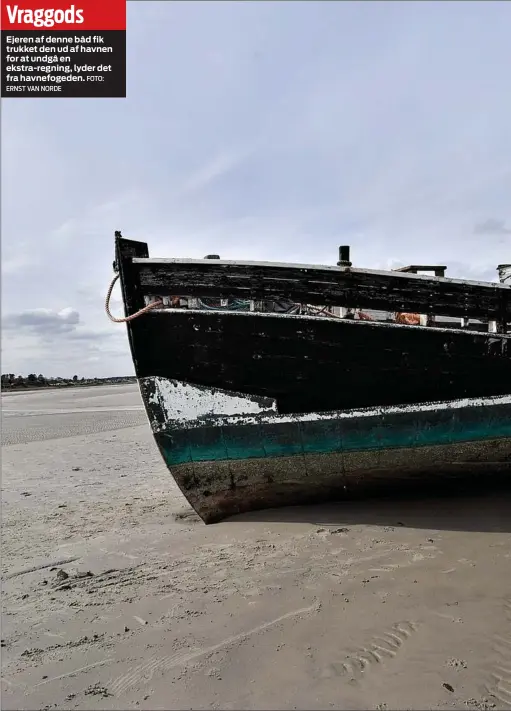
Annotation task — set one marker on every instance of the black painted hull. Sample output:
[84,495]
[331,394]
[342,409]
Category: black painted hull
[320,364]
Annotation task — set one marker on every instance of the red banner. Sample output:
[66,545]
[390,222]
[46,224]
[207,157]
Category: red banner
[77,15]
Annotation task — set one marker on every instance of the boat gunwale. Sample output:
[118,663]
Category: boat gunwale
[210,264]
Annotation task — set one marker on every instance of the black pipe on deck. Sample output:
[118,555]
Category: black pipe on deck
[344,256]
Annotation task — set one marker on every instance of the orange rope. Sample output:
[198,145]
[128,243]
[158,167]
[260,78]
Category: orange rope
[132,316]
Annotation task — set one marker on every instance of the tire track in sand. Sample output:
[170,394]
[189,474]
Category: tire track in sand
[499,685]
[147,669]
[379,650]
[39,428]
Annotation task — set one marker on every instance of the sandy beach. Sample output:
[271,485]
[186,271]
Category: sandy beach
[116,596]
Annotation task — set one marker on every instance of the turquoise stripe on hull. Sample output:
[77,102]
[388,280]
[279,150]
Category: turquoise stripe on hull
[357,434]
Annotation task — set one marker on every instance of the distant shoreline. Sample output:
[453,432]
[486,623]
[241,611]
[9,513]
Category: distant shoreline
[65,385]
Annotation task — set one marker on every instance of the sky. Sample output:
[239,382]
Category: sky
[257,130]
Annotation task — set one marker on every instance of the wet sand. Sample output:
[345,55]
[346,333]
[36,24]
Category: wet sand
[115,596]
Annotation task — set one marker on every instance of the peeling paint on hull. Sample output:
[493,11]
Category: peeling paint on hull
[227,462]
[254,410]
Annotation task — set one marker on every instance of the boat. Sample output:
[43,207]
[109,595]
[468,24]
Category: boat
[273,384]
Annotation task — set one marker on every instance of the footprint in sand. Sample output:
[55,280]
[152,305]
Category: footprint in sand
[379,650]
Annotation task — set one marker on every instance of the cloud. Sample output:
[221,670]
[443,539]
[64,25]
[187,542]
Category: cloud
[212,171]
[43,322]
[492,226]
[17,263]
[56,342]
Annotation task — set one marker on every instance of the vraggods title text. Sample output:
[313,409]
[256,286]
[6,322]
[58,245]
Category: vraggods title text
[44,17]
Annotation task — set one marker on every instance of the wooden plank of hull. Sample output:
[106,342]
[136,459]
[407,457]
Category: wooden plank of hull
[313,364]
[337,286]
[256,458]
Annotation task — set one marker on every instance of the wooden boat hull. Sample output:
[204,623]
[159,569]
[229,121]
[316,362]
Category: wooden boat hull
[230,453]
[253,410]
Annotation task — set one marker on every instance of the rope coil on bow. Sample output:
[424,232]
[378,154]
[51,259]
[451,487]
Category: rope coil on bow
[125,319]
